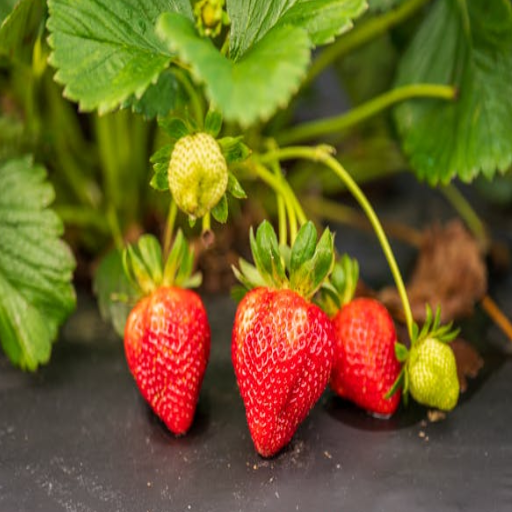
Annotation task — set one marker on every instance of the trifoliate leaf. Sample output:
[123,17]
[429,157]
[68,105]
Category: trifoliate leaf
[257,84]
[36,267]
[116,296]
[19,29]
[160,99]
[468,45]
[105,51]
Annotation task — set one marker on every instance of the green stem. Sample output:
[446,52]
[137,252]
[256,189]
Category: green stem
[376,105]
[195,100]
[169,227]
[281,186]
[468,214]
[321,154]
[281,209]
[113,222]
[207,223]
[361,34]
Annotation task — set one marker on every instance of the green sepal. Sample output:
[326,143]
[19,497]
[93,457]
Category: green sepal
[401,352]
[163,155]
[160,161]
[160,179]
[344,278]
[328,299]
[304,246]
[432,328]
[213,122]
[142,263]
[309,276]
[265,251]
[233,149]
[238,292]
[175,127]
[220,210]
[399,383]
[234,187]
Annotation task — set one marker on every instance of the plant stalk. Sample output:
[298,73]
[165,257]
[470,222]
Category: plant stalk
[314,129]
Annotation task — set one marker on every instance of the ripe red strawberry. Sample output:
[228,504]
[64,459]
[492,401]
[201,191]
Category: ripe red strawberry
[365,366]
[282,344]
[167,335]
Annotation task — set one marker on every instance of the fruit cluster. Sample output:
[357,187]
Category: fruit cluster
[296,330]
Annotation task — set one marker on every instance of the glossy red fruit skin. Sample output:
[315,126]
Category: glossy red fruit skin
[282,351]
[365,366]
[167,346]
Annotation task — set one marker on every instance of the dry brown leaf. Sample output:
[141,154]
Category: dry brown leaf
[450,272]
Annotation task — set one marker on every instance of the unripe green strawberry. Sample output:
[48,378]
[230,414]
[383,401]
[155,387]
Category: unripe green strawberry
[198,174]
[432,373]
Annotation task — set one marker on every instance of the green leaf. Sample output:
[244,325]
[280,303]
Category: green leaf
[106,50]
[469,45]
[233,149]
[251,20]
[234,187]
[304,246]
[257,84]
[213,122]
[19,30]
[220,210]
[36,266]
[160,99]
[116,296]
[324,19]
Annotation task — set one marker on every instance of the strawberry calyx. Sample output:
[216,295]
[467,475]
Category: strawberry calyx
[194,166]
[339,289]
[144,267]
[302,268]
[432,330]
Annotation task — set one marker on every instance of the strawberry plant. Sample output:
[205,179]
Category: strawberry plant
[124,120]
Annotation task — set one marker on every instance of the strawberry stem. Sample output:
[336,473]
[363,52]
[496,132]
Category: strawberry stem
[329,125]
[169,226]
[296,215]
[323,154]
